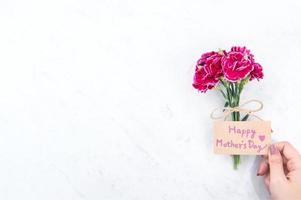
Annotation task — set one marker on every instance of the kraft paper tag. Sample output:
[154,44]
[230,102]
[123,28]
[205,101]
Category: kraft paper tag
[242,137]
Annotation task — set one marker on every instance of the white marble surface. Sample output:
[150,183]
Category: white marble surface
[96,101]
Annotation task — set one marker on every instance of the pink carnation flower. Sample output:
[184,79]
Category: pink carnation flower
[237,64]
[257,72]
[208,71]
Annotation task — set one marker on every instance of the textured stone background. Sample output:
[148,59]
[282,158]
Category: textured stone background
[96,101]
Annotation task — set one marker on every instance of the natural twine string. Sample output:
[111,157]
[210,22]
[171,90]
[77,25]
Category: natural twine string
[226,111]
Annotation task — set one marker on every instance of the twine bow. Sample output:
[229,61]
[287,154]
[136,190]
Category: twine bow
[226,111]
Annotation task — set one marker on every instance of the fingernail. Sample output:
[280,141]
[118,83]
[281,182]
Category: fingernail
[273,150]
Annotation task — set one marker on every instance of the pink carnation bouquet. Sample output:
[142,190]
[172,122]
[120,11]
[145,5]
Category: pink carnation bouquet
[228,72]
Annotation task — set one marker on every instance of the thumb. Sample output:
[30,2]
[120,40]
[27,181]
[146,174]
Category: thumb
[276,164]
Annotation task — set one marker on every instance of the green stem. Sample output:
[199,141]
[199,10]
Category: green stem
[232,96]
[235,115]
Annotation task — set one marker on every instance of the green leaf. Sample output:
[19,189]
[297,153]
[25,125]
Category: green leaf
[245,117]
[243,83]
[232,89]
[226,104]
[222,82]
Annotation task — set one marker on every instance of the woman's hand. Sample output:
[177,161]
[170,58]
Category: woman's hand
[282,171]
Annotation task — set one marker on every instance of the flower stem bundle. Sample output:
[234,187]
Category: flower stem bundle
[228,72]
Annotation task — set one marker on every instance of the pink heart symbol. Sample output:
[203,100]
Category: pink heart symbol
[261,137]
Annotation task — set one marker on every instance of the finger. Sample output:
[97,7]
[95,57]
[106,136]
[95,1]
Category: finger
[284,159]
[267,181]
[287,150]
[264,156]
[263,167]
[276,165]
[291,156]
[293,165]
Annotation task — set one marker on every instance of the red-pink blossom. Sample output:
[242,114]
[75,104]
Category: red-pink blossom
[257,72]
[208,71]
[237,64]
